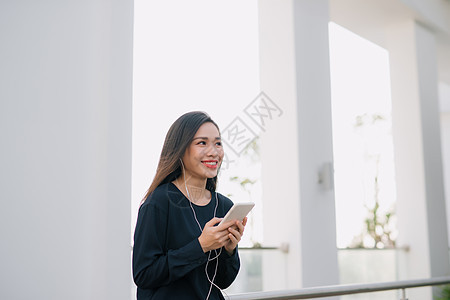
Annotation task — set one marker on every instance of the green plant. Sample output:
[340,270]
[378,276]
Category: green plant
[378,229]
[444,292]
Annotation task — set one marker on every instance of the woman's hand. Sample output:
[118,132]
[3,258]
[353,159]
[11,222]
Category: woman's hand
[225,235]
[235,235]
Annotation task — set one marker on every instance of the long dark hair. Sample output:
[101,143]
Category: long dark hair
[178,138]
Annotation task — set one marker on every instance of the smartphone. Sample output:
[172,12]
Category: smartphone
[238,211]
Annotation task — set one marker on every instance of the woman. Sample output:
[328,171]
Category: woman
[179,250]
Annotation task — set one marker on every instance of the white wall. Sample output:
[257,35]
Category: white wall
[444,97]
[65,166]
[434,12]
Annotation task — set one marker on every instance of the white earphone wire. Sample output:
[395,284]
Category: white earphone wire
[211,281]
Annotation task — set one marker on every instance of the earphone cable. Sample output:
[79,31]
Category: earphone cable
[201,230]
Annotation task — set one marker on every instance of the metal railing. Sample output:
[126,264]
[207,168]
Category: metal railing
[339,290]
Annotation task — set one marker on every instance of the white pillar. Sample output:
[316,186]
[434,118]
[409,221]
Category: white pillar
[295,75]
[65,164]
[417,149]
[444,97]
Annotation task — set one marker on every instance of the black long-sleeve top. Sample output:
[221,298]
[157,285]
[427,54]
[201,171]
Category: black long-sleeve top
[168,261]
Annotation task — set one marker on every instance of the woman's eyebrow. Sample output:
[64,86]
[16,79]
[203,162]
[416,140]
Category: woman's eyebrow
[205,138]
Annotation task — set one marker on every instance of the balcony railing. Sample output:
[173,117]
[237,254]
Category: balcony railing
[339,290]
[361,271]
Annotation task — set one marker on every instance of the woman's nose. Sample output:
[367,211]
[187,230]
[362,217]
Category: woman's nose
[212,150]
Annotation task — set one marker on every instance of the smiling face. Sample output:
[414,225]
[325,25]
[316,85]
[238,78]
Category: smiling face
[204,155]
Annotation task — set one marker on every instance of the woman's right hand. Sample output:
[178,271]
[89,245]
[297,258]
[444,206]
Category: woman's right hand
[214,237]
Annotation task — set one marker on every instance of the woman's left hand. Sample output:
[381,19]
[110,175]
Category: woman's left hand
[235,235]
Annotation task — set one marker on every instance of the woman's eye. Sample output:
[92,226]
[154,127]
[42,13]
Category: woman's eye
[219,143]
[201,143]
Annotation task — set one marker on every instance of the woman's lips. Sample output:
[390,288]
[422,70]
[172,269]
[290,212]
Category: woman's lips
[212,164]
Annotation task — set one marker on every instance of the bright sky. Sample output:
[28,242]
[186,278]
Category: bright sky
[185,59]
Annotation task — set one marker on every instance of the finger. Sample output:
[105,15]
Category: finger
[220,233]
[213,222]
[223,240]
[244,222]
[235,240]
[240,227]
[223,236]
[235,233]
[225,225]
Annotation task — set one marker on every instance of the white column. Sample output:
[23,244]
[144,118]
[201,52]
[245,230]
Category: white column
[444,97]
[417,150]
[295,148]
[65,164]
